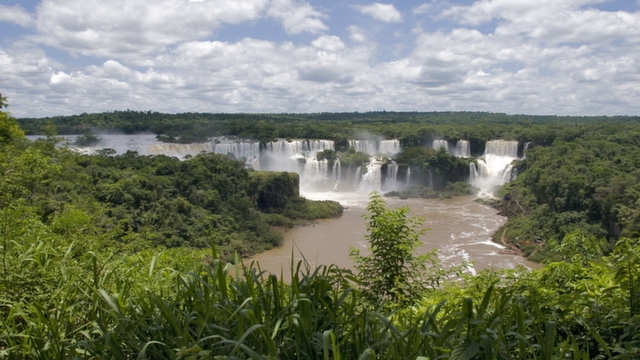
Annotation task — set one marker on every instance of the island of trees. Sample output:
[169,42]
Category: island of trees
[132,256]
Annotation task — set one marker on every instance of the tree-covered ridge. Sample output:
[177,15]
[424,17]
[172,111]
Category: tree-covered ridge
[589,184]
[412,128]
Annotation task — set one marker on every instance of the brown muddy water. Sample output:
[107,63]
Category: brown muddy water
[460,228]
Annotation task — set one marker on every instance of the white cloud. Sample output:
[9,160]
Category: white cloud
[15,14]
[422,9]
[357,34]
[382,12]
[297,17]
[550,20]
[328,43]
[555,58]
[135,28]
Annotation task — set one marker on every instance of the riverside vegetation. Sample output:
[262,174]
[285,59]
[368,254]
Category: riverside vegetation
[91,268]
[583,174]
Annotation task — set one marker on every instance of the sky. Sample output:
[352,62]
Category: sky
[547,57]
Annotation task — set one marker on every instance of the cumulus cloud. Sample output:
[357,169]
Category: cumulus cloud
[15,14]
[134,28]
[297,17]
[550,21]
[382,12]
[357,34]
[328,43]
[556,58]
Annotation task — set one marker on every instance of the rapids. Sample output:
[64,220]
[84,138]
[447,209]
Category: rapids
[460,229]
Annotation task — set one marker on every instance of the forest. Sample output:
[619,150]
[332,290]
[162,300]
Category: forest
[138,256]
[582,172]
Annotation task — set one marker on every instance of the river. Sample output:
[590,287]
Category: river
[459,227]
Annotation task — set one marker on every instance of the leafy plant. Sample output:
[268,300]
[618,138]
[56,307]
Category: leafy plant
[392,271]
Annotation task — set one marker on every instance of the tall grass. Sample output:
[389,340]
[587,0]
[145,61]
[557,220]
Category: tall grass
[251,314]
[58,302]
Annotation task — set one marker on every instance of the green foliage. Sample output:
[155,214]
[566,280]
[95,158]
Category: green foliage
[9,129]
[450,190]
[589,184]
[392,271]
[83,277]
[271,191]
[87,140]
[354,159]
[70,291]
[327,154]
[576,247]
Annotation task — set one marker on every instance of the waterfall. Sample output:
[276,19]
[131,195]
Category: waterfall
[337,174]
[473,171]
[298,156]
[495,166]
[389,147]
[249,152]
[372,179]
[366,146]
[390,181]
[502,148]
[463,149]
[528,145]
[357,178]
[437,144]
[377,147]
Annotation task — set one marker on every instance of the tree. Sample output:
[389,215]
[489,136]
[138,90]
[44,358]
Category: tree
[9,129]
[393,271]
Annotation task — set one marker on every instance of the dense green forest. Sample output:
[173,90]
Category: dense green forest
[127,256]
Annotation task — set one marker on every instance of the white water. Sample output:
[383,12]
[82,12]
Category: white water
[377,147]
[437,144]
[463,149]
[494,168]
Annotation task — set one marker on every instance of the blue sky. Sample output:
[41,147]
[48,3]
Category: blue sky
[564,57]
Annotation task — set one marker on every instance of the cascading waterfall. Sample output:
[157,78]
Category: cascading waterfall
[463,149]
[494,167]
[282,155]
[376,147]
[366,146]
[437,144]
[241,150]
[299,156]
[371,179]
[389,147]
[390,180]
